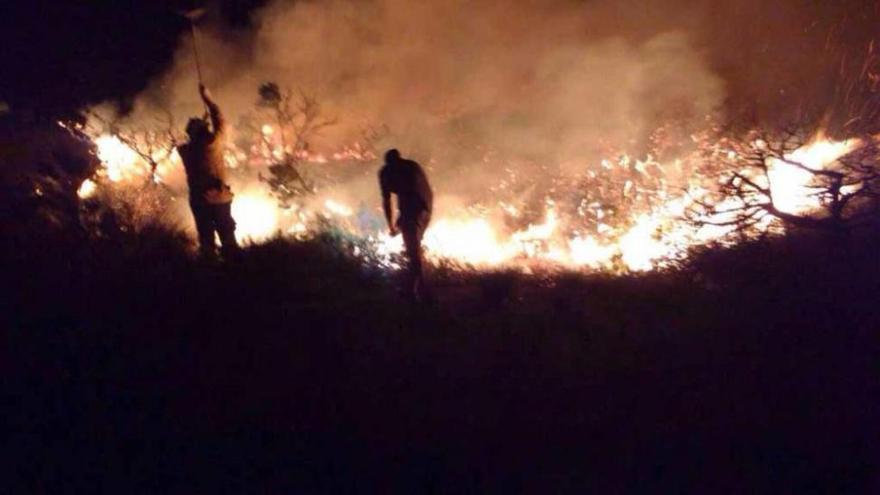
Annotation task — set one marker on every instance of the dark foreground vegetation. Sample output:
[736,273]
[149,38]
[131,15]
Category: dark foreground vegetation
[131,367]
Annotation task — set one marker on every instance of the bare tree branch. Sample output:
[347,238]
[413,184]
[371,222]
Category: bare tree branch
[845,189]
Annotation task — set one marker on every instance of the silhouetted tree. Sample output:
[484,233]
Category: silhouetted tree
[745,195]
[298,118]
[129,204]
[154,141]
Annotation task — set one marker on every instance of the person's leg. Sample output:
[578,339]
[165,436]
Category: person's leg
[225,226]
[204,228]
[412,241]
[420,285]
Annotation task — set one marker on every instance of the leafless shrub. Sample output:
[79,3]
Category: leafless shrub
[299,119]
[745,195]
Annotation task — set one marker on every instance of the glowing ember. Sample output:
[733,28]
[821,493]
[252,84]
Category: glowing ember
[87,189]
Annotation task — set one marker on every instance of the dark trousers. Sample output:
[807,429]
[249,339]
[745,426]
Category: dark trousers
[214,219]
[413,229]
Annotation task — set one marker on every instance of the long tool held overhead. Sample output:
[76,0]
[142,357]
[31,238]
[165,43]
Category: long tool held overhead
[193,16]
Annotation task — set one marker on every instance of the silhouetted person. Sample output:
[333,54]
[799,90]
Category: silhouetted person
[407,180]
[210,197]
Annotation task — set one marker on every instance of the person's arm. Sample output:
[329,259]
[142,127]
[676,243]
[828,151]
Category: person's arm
[386,205]
[217,121]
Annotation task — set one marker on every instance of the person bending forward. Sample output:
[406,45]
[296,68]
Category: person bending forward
[407,180]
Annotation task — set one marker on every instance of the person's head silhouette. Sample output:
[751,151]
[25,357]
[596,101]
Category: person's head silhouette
[197,129]
[392,156]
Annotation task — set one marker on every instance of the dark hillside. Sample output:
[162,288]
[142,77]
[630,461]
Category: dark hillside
[131,366]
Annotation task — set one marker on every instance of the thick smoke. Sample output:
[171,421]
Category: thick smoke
[478,89]
[534,81]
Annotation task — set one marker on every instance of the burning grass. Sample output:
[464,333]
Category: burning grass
[621,215]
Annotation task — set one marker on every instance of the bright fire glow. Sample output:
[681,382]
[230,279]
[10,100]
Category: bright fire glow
[338,208]
[87,189]
[120,161]
[644,240]
[469,240]
[256,216]
[790,184]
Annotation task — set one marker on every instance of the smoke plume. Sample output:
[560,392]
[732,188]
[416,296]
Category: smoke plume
[483,91]
[538,81]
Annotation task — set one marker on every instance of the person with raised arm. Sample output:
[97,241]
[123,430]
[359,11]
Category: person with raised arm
[210,196]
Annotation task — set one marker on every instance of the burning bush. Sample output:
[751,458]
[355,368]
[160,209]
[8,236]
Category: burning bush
[790,179]
[630,211]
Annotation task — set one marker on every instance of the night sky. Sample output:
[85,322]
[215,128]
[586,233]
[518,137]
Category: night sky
[58,55]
